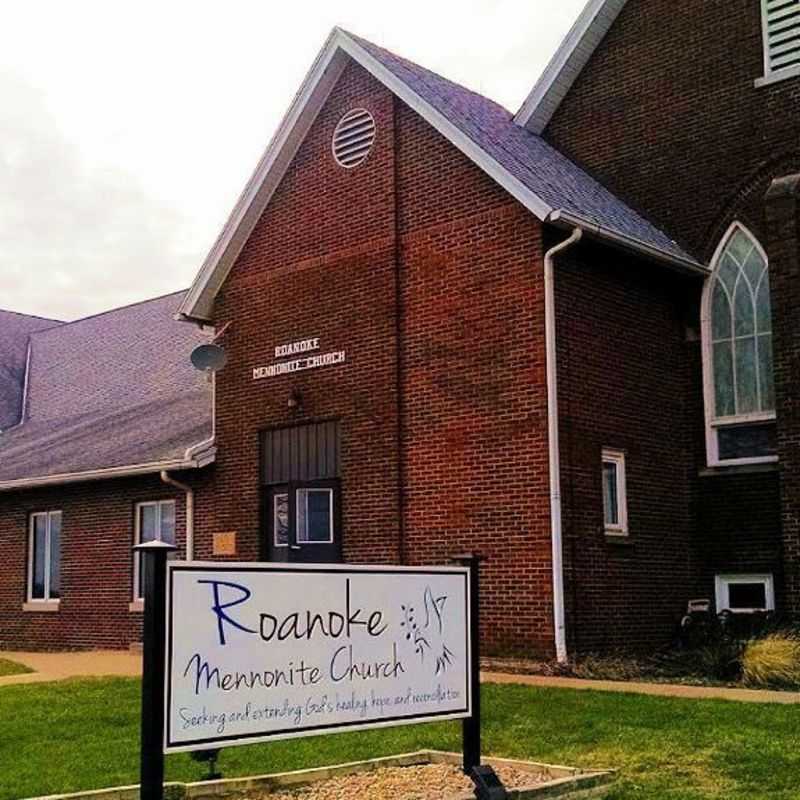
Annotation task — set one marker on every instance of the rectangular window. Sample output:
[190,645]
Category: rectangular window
[615,509]
[745,594]
[781,31]
[155,522]
[315,516]
[44,557]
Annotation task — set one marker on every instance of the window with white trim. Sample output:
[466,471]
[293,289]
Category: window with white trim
[155,522]
[780,20]
[745,594]
[44,557]
[615,501]
[737,353]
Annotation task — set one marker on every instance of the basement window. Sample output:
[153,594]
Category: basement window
[615,501]
[353,138]
[745,594]
[155,522]
[44,557]
[780,21]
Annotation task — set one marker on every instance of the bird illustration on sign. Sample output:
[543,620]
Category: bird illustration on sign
[426,630]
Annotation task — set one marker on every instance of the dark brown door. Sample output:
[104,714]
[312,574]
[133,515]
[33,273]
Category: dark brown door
[301,508]
[304,522]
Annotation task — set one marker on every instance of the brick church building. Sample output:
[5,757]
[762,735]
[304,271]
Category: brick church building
[567,339]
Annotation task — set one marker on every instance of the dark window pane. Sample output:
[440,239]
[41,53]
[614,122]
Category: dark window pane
[39,554]
[746,382]
[314,515]
[720,313]
[610,504]
[747,595]
[55,555]
[723,380]
[168,522]
[747,441]
[147,523]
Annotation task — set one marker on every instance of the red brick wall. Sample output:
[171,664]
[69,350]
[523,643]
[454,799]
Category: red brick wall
[783,214]
[666,114]
[474,384]
[96,563]
[417,246]
[623,373]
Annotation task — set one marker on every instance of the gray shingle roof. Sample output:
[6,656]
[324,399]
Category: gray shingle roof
[530,159]
[112,390]
[15,330]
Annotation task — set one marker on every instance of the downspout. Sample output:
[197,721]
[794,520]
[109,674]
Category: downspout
[553,444]
[167,478]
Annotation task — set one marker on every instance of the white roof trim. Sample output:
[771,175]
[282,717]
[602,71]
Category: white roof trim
[271,168]
[571,57]
[198,461]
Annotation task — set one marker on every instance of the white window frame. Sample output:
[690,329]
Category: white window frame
[617,458]
[772,75]
[713,423]
[137,558]
[308,490]
[46,600]
[722,593]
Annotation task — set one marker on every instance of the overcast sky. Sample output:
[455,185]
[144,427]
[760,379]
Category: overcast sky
[128,129]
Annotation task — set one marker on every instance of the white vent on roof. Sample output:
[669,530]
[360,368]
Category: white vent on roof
[781,34]
[353,138]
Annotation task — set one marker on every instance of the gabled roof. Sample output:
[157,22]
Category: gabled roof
[112,394]
[571,57]
[15,331]
[547,183]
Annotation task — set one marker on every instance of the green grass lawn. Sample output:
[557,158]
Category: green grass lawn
[8,667]
[71,735]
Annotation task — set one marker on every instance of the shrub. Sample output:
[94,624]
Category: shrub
[772,661]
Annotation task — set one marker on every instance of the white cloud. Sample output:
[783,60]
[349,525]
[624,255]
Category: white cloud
[130,128]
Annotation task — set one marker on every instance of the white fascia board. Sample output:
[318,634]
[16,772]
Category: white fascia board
[569,60]
[327,69]
[565,219]
[107,473]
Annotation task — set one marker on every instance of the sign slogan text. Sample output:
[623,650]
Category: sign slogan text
[257,652]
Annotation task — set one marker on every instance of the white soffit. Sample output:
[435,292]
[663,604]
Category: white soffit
[571,57]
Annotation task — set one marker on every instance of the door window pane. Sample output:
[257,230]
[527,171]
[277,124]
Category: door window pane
[55,555]
[280,519]
[314,516]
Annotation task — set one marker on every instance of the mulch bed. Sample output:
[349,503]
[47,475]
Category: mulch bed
[429,782]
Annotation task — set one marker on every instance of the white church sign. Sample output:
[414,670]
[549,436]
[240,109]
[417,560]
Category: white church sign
[269,651]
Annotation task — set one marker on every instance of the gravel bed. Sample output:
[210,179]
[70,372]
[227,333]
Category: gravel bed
[429,782]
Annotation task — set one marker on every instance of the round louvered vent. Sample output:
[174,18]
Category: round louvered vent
[353,138]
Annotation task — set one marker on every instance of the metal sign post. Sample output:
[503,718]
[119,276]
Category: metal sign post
[487,785]
[154,557]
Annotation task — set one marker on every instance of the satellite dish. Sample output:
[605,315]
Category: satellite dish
[208,357]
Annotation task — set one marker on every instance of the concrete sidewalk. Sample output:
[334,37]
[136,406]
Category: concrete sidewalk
[97,663]
[58,666]
[656,689]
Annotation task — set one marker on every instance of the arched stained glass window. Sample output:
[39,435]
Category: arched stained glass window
[741,330]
